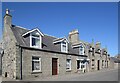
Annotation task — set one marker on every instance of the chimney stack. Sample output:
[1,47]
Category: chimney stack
[7,20]
[98,44]
[74,36]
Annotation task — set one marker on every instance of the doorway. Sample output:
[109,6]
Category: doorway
[98,65]
[54,66]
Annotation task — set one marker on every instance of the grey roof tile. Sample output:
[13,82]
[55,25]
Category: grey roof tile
[47,43]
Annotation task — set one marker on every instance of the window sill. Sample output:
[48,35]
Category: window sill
[34,72]
[35,47]
[64,52]
[68,70]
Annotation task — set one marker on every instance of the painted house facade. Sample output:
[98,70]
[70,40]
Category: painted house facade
[32,54]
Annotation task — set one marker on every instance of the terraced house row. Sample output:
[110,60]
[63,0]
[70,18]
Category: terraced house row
[33,54]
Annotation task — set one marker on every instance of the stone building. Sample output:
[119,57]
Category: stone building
[1,54]
[114,62]
[32,54]
[99,57]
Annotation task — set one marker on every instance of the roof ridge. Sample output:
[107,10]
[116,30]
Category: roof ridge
[51,36]
[21,27]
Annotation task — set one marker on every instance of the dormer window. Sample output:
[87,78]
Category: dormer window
[64,47]
[98,51]
[104,52]
[35,38]
[91,49]
[63,44]
[81,47]
[35,41]
[81,51]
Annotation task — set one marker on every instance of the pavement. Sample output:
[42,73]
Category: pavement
[102,75]
[0,79]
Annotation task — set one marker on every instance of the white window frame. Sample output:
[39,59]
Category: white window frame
[40,39]
[69,64]
[80,64]
[84,64]
[91,49]
[99,50]
[36,61]
[66,45]
[83,49]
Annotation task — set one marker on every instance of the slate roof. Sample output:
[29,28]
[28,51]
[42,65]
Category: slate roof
[47,41]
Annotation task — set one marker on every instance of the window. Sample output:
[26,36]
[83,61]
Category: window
[104,52]
[68,64]
[35,40]
[83,64]
[80,64]
[92,59]
[64,47]
[90,48]
[105,63]
[102,62]
[92,64]
[36,64]
[99,50]
[81,50]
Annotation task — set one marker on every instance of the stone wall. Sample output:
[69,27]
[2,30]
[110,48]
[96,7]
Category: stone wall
[93,65]
[113,65]
[46,62]
[98,57]
[0,57]
[0,64]
[9,57]
[9,46]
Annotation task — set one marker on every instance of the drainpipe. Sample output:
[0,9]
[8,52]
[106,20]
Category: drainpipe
[20,62]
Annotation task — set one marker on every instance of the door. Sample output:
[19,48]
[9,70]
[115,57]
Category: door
[98,64]
[78,64]
[54,66]
[107,64]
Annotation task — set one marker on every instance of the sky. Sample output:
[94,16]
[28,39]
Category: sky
[94,20]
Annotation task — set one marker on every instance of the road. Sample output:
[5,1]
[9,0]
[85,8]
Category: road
[103,75]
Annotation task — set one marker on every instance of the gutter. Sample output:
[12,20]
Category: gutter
[26,47]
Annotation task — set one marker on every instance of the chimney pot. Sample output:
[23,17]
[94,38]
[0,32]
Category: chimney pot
[7,11]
